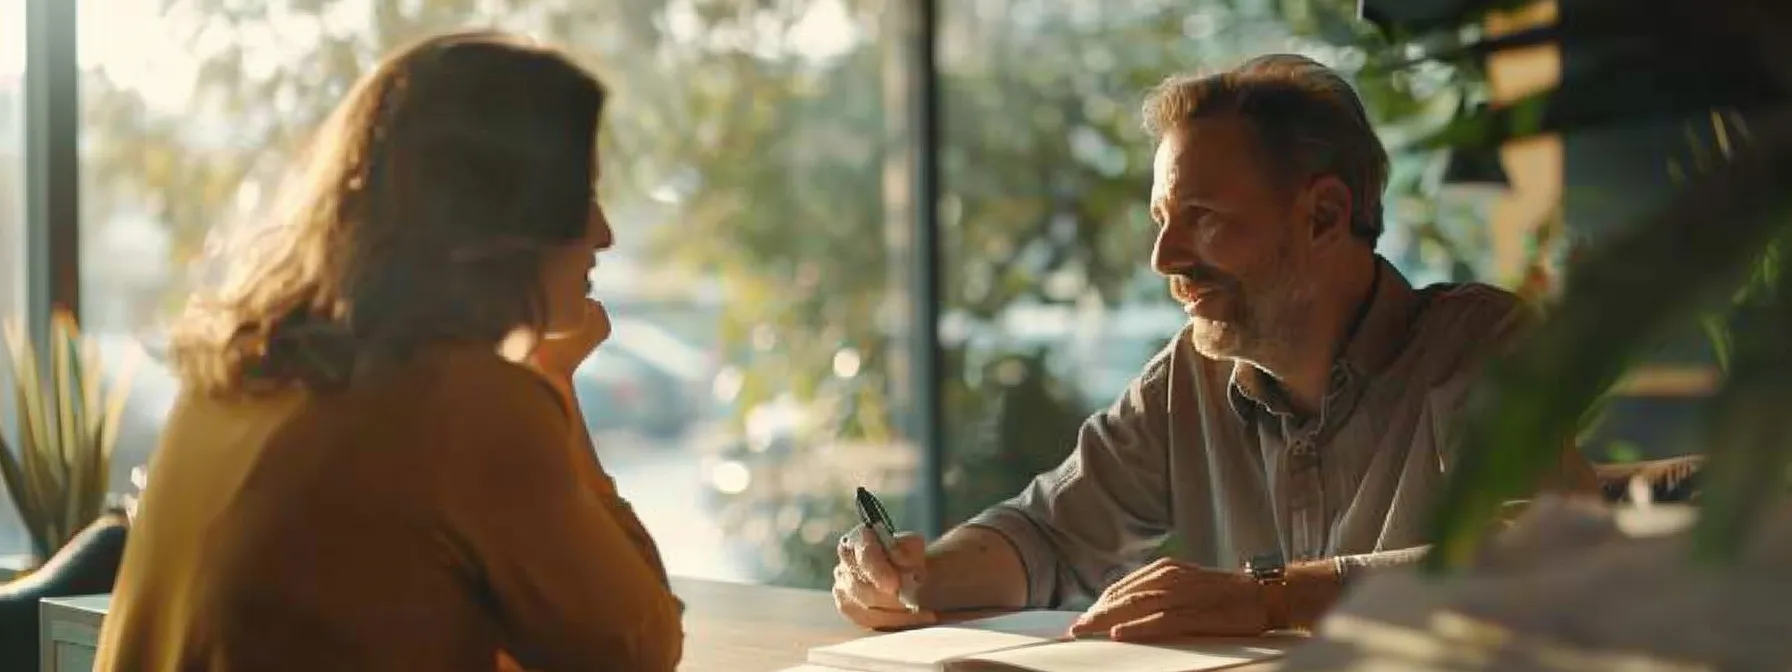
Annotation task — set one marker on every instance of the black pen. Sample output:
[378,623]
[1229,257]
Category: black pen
[875,518]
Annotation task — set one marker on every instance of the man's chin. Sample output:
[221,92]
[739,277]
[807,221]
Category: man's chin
[1215,340]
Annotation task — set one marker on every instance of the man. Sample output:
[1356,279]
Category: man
[1296,426]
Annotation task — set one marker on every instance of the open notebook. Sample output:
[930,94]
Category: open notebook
[1031,640]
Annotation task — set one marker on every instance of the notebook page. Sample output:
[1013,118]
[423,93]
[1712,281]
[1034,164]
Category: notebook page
[920,650]
[1101,655]
[1041,623]
[930,648]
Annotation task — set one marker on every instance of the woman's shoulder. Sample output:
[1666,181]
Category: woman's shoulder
[475,383]
[436,397]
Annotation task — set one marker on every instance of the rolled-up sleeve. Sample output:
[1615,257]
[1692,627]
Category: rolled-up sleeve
[1105,508]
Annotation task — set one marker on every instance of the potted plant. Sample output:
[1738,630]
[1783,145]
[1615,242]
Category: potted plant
[66,418]
[1580,585]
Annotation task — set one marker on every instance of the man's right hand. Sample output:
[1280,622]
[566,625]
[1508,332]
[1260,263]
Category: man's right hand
[866,580]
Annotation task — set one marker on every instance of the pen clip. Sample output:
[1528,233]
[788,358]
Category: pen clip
[871,511]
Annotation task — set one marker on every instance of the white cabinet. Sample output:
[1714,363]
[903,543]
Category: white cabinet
[69,632]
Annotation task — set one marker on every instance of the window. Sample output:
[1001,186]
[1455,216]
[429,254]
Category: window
[748,384]
[12,227]
[1051,308]
[755,156]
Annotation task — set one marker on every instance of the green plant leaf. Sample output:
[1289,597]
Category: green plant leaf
[59,473]
[1749,444]
[16,487]
[66,396]
[1623,451]
[34,437]
[1617,299]
[1718,334]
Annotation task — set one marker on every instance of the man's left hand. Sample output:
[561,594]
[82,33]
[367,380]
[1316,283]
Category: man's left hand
[1168,598]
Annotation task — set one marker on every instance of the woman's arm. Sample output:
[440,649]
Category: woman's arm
[569,585]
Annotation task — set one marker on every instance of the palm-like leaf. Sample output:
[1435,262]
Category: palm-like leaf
[58,475]
[1748,441]
[1639,60]
[1658,273]
[1619,300]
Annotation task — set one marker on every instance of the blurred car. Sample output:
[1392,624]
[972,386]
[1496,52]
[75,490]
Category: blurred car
[739,461]
[619,392]
[644,380]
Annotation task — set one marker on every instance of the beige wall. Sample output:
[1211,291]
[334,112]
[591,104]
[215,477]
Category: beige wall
[1535,169]
[1533,166]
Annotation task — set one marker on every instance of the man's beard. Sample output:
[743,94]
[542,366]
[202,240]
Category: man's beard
[1265,314]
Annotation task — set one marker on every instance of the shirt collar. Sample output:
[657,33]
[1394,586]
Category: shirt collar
[1381,331]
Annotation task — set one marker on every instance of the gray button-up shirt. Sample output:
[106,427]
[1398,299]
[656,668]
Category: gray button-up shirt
[1210,451]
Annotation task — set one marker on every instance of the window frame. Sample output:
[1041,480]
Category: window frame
[53,219]
[52,165]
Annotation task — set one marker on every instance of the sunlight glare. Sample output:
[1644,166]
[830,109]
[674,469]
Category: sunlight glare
[139,47]
[12,54]
[824,32]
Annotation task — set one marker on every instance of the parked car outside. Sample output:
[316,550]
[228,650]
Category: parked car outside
[646,380]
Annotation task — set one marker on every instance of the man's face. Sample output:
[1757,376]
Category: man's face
[1230,241]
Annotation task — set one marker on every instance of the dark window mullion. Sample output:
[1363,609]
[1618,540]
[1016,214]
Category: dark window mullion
[52,163]
[925,267]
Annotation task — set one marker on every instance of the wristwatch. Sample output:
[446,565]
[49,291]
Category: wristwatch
[1271,575]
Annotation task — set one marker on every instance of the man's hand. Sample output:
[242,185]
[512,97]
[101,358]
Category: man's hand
[866,580]
[1168,598]
[560,353]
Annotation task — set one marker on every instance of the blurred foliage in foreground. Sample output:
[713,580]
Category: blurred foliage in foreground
[1711,250]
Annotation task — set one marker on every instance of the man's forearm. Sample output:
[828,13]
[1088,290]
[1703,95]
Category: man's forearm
[1315,586]
[973,567]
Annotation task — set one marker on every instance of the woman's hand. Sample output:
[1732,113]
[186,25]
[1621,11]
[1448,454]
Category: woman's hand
[560,353]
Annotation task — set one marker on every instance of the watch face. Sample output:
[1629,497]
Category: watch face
[1268,566]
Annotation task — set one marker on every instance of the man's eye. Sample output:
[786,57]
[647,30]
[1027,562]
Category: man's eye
[1201,217]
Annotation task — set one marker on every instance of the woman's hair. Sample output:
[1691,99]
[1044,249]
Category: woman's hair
[420,214]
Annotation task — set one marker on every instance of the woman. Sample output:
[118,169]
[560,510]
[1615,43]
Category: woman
[376,463]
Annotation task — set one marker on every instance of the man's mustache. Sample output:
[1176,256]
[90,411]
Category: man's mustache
[1185,281]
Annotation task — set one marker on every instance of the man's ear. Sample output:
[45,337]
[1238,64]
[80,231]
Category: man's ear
[1330,209]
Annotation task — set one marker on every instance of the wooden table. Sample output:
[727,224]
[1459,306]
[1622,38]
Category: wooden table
[729,627]
[751,628]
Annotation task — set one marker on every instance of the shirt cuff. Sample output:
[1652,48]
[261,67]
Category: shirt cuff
[1037,561]
[1354,568]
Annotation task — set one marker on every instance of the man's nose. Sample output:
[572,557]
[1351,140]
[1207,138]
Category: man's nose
[1171,253]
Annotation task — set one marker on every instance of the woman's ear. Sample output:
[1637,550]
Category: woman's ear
[1331,208]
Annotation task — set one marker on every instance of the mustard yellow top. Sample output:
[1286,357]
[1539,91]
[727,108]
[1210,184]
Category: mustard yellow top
[429,520]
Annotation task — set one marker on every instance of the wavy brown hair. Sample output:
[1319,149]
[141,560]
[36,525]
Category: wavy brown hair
[1307,119]
[420,214]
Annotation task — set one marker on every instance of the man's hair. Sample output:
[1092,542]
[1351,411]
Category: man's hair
[1307,120]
